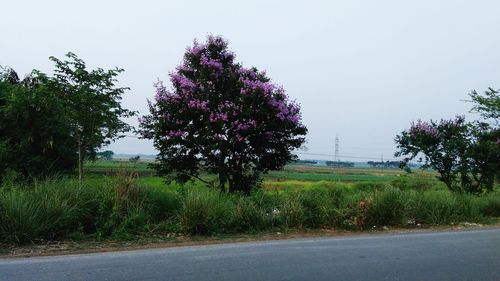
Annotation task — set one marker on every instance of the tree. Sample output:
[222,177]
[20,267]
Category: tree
[105,155]
[34,133]
[488,105]
[134,159]
[466,155]
[221,118]
[92,102]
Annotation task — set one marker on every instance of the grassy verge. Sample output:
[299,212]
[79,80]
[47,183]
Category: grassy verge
[121,208]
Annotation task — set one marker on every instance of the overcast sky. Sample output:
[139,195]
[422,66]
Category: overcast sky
[361,69]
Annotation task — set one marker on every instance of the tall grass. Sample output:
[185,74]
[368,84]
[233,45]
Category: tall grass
[123,207]
[47,210]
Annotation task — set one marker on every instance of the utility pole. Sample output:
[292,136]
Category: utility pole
[337,158]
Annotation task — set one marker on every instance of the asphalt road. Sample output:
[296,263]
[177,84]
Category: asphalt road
[464,255]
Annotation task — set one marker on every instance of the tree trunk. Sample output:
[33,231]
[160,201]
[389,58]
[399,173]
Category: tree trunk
[222,182]
[80,165]
[231,185]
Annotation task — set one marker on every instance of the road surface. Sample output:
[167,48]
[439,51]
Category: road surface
[463,255]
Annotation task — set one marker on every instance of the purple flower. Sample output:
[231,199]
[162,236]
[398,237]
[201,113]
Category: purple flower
[212,63]
[422,127]
[174,134]
[182,82]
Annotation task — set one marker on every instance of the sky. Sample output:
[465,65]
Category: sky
[362,70]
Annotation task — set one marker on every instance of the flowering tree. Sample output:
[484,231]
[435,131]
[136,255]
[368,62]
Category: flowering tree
[221,118]
[466,155]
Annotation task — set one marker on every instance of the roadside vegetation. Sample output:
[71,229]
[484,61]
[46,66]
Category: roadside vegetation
[126,206]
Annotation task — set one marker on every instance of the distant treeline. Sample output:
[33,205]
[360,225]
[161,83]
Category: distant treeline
[308,162]
[340,164]
[386,164]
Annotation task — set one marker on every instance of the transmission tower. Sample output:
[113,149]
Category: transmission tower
[336,159]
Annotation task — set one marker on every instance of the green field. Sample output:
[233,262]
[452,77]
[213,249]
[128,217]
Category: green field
[291,176]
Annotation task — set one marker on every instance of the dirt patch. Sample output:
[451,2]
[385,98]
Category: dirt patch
[52,248]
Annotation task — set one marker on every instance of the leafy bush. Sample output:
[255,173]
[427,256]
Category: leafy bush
[388,207]
[162,205]
[206,212]
[248,217]
[442,207]
[291,212]
[414,183]
[47,211]
[490,205]
[118,207]
[315,205]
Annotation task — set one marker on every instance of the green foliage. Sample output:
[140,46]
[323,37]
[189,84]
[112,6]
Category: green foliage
[414,183]
[488,105]
[387,207]
[124,207]
[490,205]
[46,211]
[206,212]
[105,155]
[248,217]
[91,103]
[441,207]
[35,139]
[315,204]
[466,155]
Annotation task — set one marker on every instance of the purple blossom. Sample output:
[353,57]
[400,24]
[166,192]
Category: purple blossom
[215,117]
[422,127]
[182,82]
[217,41]
[257,86]
[176,133]
[212,63]
[196,49]
[242,127]
[197,104]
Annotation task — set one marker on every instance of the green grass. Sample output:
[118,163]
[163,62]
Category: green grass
[122,204]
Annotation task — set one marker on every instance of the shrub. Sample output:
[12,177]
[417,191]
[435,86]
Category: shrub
[346,209]
[270,204]
[248,217]
[442,207]
[315,204]
[491,205]
[291,212]
[50,210]
[414,183]
[162,205]
[388,207]
[206,212]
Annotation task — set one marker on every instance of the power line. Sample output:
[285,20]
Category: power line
[336,156]
[344,156]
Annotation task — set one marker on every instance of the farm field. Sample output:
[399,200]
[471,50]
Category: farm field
[292,173]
